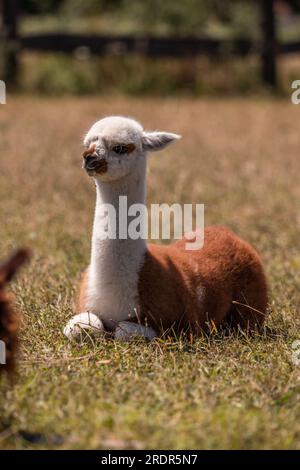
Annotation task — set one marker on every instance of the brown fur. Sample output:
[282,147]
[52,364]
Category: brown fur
[101,167]
[194,290]
[9,318]
[130,148]
[89,151]
[190,291]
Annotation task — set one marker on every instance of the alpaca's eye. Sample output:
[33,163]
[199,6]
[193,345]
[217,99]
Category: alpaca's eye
[119,149]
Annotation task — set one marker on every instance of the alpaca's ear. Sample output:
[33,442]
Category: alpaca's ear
[157,140]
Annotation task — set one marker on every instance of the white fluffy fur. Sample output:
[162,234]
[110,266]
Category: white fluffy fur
[113,272]
[83,324]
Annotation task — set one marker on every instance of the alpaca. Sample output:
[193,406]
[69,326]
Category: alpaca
[132,288]
[9,319]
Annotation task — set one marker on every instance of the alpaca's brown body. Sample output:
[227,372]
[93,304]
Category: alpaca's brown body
[186,290]
[194,290]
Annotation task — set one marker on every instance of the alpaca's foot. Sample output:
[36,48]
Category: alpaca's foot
[83,325]
[128,331]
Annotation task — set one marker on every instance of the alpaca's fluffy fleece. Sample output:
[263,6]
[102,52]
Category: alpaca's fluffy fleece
[161,287]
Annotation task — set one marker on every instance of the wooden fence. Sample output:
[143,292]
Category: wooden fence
[147,45]
[150,46]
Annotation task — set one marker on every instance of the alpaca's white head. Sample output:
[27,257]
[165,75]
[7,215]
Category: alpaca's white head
[117,145]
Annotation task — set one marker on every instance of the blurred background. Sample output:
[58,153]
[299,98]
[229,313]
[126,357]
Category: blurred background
[219,73]
[188,47]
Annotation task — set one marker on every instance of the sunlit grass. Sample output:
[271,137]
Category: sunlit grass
[238,157]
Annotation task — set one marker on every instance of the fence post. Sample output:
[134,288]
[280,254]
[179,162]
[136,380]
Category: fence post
[9,33]
[269,43]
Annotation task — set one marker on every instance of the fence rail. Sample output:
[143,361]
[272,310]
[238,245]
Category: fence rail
[146,45]
[268,48]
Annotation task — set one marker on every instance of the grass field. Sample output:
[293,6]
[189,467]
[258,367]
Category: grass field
[238,157]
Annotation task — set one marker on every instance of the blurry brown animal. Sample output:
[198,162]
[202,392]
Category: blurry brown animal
[9,318]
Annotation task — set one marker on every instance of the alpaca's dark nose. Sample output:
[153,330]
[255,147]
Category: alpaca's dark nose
[90,161]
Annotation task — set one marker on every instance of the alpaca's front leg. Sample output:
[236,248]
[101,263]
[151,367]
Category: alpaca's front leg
[129,331]
[83,325]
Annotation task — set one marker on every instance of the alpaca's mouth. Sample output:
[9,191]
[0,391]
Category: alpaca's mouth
[94,165]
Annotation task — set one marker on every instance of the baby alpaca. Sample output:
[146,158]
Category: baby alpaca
[132,288]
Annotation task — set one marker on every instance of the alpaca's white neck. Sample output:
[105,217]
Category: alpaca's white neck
[133,188]
[113,272]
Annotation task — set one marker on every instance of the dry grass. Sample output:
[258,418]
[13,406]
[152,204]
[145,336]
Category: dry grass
[238,157]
